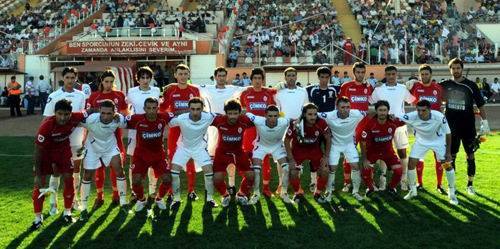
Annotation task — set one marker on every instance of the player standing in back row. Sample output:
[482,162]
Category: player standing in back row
[460,95]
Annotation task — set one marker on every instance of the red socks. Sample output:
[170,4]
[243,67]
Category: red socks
[266,170]
[295,183]
[69,192]
[420,169]
[162,190]
[321,183]
[139,191]
[347,172]
[366,174]
[439,173]
[396,177]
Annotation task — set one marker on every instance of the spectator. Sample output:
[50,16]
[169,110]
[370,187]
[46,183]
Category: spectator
[44,89]
[237,80]
[14,98]
[371,80]
[335,80]
[233,58]
[30,95]
[346,78]
[4,96]
[245,81]
[349,51]
[495,88]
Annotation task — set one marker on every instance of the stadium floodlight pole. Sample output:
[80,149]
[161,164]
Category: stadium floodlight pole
[380,19]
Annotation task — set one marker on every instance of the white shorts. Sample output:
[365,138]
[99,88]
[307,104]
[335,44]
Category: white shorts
[418,150]
[401,137]
[93,159]
[349,151]
[74,152]
[131,142]
[200,157]
[277,152]
[212,138]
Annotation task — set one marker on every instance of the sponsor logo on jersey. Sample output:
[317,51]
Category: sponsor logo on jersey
[143,125]
[151,135]
[223,128]
[250,97]
[431,99]
[383,139]
[228,138]
[181,104]
[308,140]
[258,106]
[359,99]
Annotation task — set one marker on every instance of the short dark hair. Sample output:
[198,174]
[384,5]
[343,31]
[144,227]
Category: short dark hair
[456,61]
[323,70]
[13,77]
[63,105]
[336,72]
[272,108]
[257,71]
[382,103]
[67,70]
[32,78]
[151,100]
[343,99]
[220,69]
[424,67]
[423,103]
[290,69]
[231,105]
[107,103]
[390,68]
[181,67]
[196,100]
[41,77]
[144,70]
[358,65]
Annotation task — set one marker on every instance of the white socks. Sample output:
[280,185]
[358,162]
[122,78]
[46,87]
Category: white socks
[231,171]
[404,164]
[152,181]
[450,176]
[84,193]
[314,178]
[121,185]
[356,180]
[54,184]
[412,179]
[284,178]
[256,182]
[331,181]
[209,185]
[280,174]
[176,185]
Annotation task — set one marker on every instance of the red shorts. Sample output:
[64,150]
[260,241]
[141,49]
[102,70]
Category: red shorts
[142,161]
[313,156]
[249,137]
[389,157]
[173,135]
[60,158]
[222,160]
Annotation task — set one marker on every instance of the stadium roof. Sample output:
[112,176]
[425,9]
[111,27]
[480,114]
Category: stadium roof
[490,31]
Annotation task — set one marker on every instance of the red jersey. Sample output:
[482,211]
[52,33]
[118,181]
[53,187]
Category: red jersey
[357,94]
[433,93]
[378,137]
[176,99]
[230,136]
[311,140]
[256,102]
[149,135]
[95,99]
[52,136]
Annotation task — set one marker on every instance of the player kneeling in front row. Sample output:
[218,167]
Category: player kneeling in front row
[53,156]
[431,133]
[303,142]
[270,131]
[229,151]
[342,122]
[193,126]
[149,151]
[376,144]
[102,146]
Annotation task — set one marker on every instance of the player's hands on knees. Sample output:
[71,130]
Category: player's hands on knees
[365,164]
[448,157]
[323,162]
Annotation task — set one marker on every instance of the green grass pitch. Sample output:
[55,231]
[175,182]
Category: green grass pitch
[426,222]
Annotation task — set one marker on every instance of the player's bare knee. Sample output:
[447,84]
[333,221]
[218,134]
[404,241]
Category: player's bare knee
[412,164]
[207,169]
[136,179]
[166,178]
[88,175]
[402,153]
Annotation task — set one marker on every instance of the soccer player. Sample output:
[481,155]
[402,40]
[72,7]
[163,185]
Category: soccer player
[215,96]
[102,149]
[431,133]
[229,151]
[303,142]
[358,92]
[341,123]
[376,144]
[323,95]
[395,94]
[105,92]
[193,126]
[290,101]
[77,99]
[136,97]
[460,95]
[175,99]
[425,89]
[270,129]
[53,156]
[255,99]
[149,151]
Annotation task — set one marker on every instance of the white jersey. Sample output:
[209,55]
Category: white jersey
[136,98]
[77,99]
[86,90]
[291,101]
[342,129]
[428,132]
[101,136]
[396,96]
[216,97]
[269,137]
[192,132]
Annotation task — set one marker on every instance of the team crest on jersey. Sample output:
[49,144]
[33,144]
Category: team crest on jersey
[191,95]
[364,134]
[330,94]
[365,91]
[389,130]
[128,117]
[434,92]
[115,100]
[323,115]
[406,117]
[240,130]
[265,98]
[160,126]
[316,133]
[41,138]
